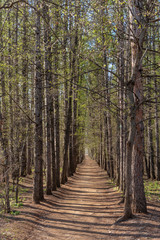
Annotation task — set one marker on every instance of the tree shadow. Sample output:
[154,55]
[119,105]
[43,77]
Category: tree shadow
[87,207]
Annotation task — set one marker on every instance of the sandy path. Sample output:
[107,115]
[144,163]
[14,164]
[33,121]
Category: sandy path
[86,209]
[82,209]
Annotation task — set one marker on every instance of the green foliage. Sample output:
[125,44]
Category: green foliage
[23,190]
[18,204]
[15,213]
[152,189]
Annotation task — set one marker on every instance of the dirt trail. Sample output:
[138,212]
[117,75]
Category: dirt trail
[85,209]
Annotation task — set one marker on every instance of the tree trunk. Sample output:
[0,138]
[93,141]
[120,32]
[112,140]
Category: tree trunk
[17,111]
[4,142]
[54,172]
[67,138]
[156,90]
[24,73]
[4,139]
[48,79]
[75,94]
[57,115]
[135,142]
[139,201]
[4,127]
[121,66]
[128,174]
[38,175]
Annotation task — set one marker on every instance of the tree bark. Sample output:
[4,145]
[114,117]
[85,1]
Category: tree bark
[54,172]
[24,73]
[48,80]
[38,175]
[57,114]
[156,90]
[139,201]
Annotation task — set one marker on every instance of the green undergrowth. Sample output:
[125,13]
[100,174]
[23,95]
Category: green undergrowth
[151,187]
[115,187]
[22,190]
[152,190]
[15,213]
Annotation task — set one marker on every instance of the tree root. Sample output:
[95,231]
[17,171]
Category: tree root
[121,201]
[124,218]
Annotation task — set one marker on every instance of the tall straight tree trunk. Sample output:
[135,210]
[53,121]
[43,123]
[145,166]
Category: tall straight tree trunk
[4,126]
[105,80]
[121,66]
[67,138]
[48,79]
[68,129]
[4,132]
[38,174]
[157,133]
[139,201]
[29,149]
[10,75]
[108,133]
[128,172]
[75,93]
[150,139]
[30,125]
[101,141]
[66,75]
[150,130]
[24,73]
[107,122]
[110,144]
[68,168]
[54,172]
[72,60]
[118,145]
[17,123]
[156,90]
[135,142]
[146,163]
[4,139]
[57,115]
[127,78]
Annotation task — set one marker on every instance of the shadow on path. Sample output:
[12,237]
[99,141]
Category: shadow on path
[85,208]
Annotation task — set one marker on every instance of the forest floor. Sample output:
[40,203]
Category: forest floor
[85,208]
